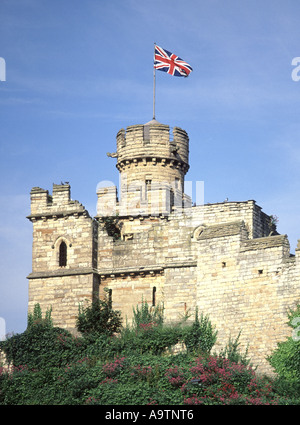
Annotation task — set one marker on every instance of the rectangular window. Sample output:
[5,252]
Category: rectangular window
[146,135]
[154,296]
[172,199]
[147,188]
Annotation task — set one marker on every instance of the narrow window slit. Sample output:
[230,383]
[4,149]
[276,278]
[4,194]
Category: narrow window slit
[110,298]
[62,254]
[154,296]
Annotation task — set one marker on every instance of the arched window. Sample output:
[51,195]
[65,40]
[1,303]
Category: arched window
[62,254]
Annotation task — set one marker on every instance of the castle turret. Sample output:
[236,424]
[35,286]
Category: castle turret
[152,161]
[63,254]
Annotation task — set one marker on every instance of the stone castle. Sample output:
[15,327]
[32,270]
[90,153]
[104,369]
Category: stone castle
[152,244]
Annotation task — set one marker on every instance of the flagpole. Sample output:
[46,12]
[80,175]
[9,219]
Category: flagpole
[154,75]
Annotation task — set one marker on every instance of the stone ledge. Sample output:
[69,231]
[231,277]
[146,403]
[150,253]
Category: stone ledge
[222,230]
[154,269]
[58,214]
[180,264]
[264,243]
[61,273]
[148,157]
[145,270]
[291,260]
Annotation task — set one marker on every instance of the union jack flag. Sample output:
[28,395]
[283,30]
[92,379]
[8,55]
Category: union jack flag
[170,63]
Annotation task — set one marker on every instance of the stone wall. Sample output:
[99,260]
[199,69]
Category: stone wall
[63,294]
[57,219]
[226,258]
[217,257]
[243,284]
[240,286]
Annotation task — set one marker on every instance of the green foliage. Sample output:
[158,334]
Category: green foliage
[138,380]
[232,352]
[287,389]
[145,315]
[42,346]
[286,358]
[148,338]
[112,227]
[217,380]
[98,318]
[37,318]
[52,367]
[201,336]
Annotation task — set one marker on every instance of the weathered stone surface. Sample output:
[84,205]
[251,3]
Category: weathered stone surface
[226,258]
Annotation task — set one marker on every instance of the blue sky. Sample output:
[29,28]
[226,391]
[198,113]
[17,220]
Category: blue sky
[79,71]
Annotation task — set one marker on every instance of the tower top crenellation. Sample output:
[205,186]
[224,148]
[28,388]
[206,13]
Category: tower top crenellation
[152,160]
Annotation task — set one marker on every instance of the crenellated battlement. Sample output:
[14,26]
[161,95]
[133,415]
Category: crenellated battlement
[40,199]
[153,140]
[60,203]
[152,161]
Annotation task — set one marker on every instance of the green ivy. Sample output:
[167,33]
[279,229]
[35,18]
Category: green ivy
[42,346]
[52,367]
[112,227]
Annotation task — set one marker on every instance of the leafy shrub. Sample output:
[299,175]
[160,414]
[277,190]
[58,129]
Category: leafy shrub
[155,339]
[50,366]
[286,358]
[103,346]
[98,318]
[149,335]
[232,352]
[42,346]
[288,390]
[219,381]
[36,317]
[176,376]
[139,379]
[147,338]
[112,369]
[146,315]
[201,336]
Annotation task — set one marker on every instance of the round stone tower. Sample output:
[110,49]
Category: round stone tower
[152,161]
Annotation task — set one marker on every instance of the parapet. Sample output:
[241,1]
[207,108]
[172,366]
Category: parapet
[60,203]
[266,243]
[152,140]
[222,230]
[107,201]
[40,199]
